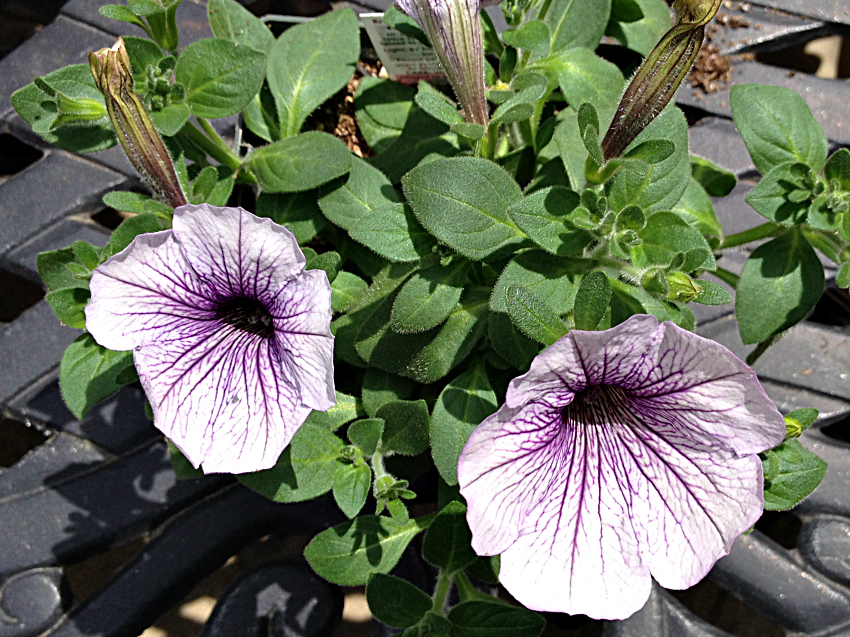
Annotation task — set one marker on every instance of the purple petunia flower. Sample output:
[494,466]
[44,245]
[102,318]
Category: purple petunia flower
[619,455]
[230,336]
[454,30]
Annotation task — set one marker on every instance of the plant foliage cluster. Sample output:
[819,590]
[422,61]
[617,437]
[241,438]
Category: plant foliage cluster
[455,251]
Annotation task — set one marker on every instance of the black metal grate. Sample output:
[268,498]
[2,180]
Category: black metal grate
[79,488]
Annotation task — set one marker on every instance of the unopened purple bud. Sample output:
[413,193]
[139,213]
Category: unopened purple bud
[133,125]
[454,29]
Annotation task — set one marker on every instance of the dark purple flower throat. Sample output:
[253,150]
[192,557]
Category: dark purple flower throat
[247,315]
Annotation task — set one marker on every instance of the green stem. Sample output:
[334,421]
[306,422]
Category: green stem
[465,589]
[727,277]
[215,147]
[764,231]
[488,143]
[441,592]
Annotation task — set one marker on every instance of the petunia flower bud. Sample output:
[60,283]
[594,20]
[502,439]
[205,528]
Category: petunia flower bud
[793,428]
[660,75]
[133,125]
[454,29]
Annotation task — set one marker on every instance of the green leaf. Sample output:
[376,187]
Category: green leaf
[664,183]
[145,7]
[392,231]
[576,23]
[509,343]
[220,77]
[770,197]
[438,107]
[712,294]
[56,269]
[380,387]
[782,280]
[129,230]
[806,416]
[220,193]
[299,163]
[664,236]
[642,35]
[837,169]
[395,602]
[142,53]
[842,279]
[717,181]
[532,36]
[448,541]
[428,297]
[799,472]
[405,426]
[472,132]
[696,209]
[310,62]
[298,212]
[426,356]
[544,217]
[626,11]
[328,262]
[423,139]
[585,78]
[777,126]
[357,195]
[588,128]
[627,300]
[351,486]
[493,619]
[345,290]
[121,13]
[533,316]
[571,148]
[554,279]
[349,553]
[486,569]
[346,328]
[461,406]
[464,203]
[526,89]
[38,109]
[346,409]
[170,119]
[126,201]
[88,374]
[403,23]
[592,301]
[69,305]
[305,469]
[382,108]
[366,434]
[229,20]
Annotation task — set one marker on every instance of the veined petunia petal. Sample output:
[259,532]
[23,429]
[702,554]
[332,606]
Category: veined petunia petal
[302,315]
[219,393]
[236,254]
[589,485]
[145,292]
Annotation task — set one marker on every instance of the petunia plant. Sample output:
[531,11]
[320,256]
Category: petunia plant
[461,308]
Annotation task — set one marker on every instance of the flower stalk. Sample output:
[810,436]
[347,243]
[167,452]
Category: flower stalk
[660,75]
[133,126]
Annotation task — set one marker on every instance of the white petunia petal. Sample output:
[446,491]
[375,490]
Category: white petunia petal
[589,481]
[220,395]
[236,254]
[145,292]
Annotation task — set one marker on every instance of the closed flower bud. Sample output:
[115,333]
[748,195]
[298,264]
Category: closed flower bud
[454,30]
[133,125]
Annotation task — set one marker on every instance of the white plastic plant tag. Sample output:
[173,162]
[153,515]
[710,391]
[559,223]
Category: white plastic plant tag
[406,60]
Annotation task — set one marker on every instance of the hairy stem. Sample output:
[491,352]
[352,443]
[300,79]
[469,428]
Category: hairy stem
[764,231]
